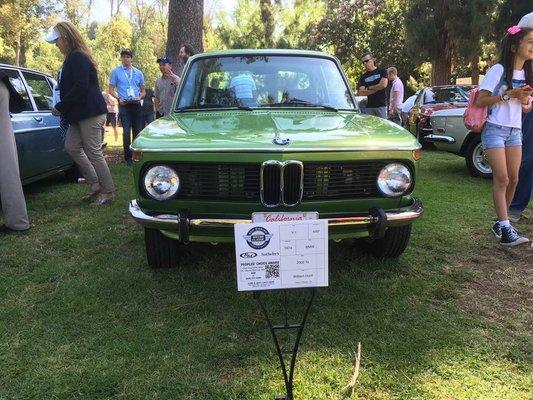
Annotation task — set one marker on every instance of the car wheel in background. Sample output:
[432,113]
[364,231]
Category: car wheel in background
[476,161]
[161,251]
[390,246]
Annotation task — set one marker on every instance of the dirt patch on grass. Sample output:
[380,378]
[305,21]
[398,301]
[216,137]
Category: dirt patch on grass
[499,285]
[114,155]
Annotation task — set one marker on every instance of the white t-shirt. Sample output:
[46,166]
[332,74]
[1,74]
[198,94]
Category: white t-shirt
[505,113]
[397,86]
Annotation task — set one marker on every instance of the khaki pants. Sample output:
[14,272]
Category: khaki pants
[84,145]
[11,194]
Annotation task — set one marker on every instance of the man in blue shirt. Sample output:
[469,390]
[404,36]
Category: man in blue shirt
[244,87]
[126,84]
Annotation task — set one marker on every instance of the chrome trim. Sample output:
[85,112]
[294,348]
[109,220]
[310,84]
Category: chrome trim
[161,221]
[45,128]
[439,139]
[282,188]
[400,217]
[272,150]
[262,184]
[281,166]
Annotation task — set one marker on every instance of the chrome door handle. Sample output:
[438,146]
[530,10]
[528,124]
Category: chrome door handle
[38,119]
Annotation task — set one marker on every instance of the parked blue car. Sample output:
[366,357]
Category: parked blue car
[40,141]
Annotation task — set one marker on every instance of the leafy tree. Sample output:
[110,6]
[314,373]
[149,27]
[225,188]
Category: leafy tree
[145,59]
[45,57]
[110,39]
[351,28]
[20,22]
[244,29]
[345,31]
[267,24]
[76,11]
[508,14]
[299,22]
[439,30]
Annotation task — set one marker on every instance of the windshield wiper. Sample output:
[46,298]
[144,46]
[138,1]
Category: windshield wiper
[217,106]
[298,102]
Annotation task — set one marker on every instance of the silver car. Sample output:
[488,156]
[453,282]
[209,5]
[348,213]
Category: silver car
[450,134]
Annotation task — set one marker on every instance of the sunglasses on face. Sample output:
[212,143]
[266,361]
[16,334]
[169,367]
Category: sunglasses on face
[367,60]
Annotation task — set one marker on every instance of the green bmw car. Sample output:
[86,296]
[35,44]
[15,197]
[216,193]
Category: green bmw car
[274,135]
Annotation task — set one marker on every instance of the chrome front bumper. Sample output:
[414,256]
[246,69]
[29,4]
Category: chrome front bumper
[439,139]
[377,219]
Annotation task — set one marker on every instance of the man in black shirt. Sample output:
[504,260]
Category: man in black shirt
[373,84]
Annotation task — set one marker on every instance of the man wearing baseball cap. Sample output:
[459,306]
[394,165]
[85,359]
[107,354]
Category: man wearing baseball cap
[165,87]
[126,84]
[522,195]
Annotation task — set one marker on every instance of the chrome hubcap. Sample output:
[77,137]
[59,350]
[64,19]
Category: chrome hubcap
[480,160]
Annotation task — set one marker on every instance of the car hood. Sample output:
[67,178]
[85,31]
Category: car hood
[258,130]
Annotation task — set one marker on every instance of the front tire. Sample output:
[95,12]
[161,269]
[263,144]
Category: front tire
[392,245]
[476,162]
[161,251]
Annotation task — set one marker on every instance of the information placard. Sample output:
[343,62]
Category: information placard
[281,255]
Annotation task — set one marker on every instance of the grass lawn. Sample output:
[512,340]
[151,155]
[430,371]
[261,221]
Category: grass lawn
[83,317]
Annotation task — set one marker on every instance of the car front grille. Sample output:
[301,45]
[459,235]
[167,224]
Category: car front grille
[278,183]
[205,181]
[341,180]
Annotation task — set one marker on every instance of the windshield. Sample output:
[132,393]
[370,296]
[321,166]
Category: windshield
[445,95]
[264,81]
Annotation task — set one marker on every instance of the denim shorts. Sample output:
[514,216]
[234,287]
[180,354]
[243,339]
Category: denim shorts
[494,136]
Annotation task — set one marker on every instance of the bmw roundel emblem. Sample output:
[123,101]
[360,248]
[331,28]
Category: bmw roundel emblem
[281,141]
[258,238]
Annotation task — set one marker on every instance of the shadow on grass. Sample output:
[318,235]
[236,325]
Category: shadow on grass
[84,317]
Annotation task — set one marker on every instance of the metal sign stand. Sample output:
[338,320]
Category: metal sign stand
[296,327]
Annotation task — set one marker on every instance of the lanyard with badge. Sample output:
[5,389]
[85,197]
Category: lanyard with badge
[129,91]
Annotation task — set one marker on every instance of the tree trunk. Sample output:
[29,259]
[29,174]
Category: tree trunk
[268,22]
[185,25]
[441,69]
[16,47]
[475,69]
[22,57]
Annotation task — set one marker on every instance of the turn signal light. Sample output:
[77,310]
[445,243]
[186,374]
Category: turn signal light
[417,154]
[137,156]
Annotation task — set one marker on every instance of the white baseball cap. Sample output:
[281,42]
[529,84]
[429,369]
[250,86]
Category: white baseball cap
[52,36]
[526,21]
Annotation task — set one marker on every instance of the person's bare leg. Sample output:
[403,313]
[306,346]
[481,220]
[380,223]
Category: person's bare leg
[513,158]
[500,180]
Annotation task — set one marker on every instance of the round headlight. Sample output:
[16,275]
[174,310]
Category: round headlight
[394,180]
[161,182]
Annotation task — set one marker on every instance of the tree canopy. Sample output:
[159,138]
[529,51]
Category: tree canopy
[425,40]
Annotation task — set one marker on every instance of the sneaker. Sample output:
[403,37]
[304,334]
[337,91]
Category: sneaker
[514,216]
[497,230]
[510,237]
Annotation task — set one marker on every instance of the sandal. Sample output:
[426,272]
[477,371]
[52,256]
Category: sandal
[104,198]
[88,197]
